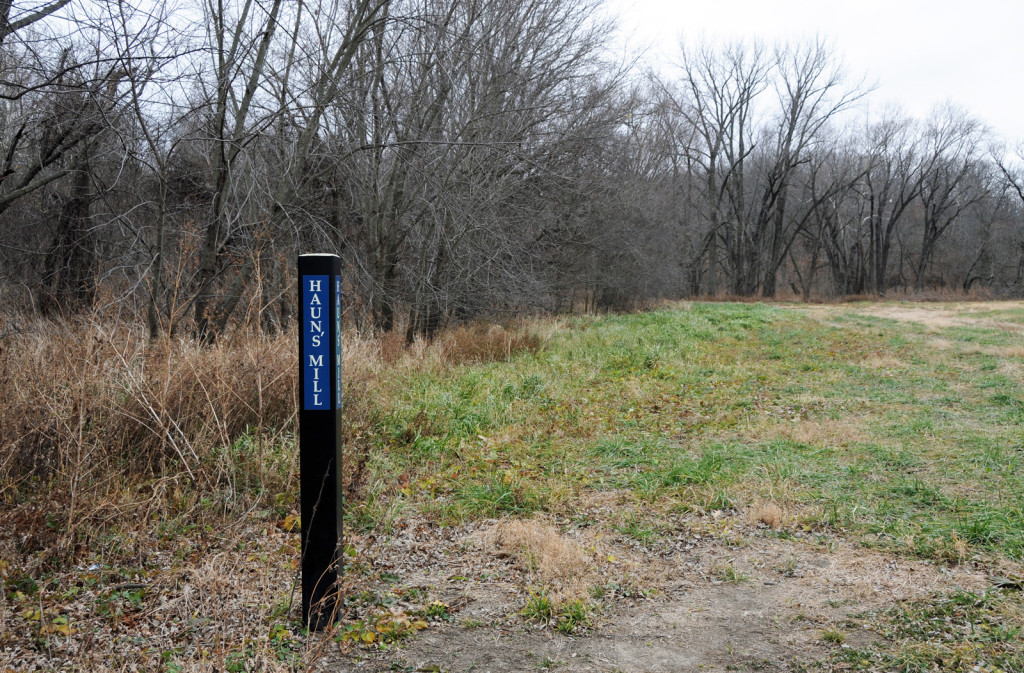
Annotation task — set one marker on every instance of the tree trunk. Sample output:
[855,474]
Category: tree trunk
[71,264]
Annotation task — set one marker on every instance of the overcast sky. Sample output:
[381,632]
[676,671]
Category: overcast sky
[919,52]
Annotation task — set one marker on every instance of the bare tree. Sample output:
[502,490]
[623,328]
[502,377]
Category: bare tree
[811,90]
[467,158]
[462,122]
[1013,174]
[953,181]
[237,121]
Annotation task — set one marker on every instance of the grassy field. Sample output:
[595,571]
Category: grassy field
[846,421]
[897,428]
[904,435]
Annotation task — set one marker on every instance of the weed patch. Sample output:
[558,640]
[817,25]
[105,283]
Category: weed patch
[959,632]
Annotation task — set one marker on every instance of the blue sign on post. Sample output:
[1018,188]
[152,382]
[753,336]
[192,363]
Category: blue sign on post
[315,323]
[320,455]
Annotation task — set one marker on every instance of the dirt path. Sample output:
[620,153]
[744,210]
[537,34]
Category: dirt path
[937,316]
[734,597]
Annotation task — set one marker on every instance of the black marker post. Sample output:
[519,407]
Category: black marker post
[320,434]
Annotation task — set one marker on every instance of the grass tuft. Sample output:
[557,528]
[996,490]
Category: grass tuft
[541,549]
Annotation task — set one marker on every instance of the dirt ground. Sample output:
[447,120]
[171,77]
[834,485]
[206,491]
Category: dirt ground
[715,594]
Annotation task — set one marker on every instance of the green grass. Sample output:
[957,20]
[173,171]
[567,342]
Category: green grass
[960,632]
[728,573]
[859,424]
[833,636]
[634,527]
[538,607]
[573,616]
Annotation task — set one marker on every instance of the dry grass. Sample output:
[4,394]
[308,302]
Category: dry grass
[469,343]
[483,342]
[883,361]
[767,513]
[104,427]
[92,388]
[392,346]
[1012,369]
[554,559]
[1009,353]
[827,431]
[103,424]
[936,317]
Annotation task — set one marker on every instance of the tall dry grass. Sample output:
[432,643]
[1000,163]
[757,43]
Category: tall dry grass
[106,391]
[101,428]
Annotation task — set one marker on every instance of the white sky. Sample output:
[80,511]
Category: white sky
[919,52]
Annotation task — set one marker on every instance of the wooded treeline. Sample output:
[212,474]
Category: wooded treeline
[466,158]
